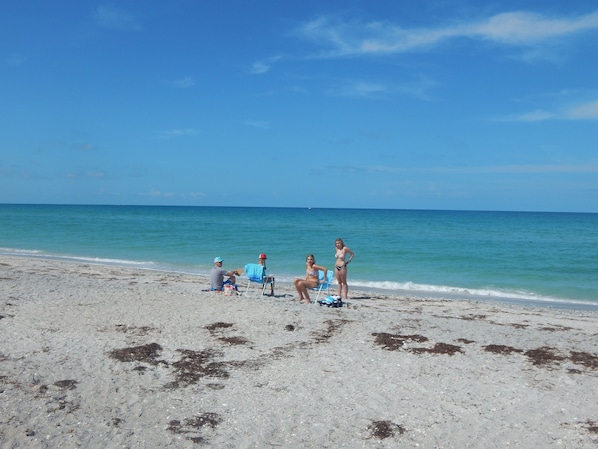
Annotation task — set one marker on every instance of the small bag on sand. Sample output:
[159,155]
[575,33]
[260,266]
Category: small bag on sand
[229,290]
[331,301]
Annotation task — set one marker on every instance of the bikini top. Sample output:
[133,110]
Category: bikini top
[312,273]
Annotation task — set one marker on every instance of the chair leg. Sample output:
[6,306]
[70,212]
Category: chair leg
[318,295]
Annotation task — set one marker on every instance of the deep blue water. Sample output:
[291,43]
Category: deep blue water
[541,258]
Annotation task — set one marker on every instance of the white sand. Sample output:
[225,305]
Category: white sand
[105,357]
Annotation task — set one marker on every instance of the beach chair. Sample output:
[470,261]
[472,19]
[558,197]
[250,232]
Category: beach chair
[323,284]
[256,274]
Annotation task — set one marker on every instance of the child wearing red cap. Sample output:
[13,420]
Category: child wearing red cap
[262,261]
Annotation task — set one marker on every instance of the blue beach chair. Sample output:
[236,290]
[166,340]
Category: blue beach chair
[323,284]
[256,274]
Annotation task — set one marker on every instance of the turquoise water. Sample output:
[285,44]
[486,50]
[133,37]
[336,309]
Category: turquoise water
[540,258]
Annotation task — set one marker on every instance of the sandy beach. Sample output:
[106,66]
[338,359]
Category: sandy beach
[105,357]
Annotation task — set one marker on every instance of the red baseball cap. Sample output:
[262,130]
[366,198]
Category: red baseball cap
[262,256]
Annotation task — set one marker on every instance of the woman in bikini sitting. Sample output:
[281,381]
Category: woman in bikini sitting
[311,278]
[341,254]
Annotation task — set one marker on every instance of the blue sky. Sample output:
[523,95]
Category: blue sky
[431,104]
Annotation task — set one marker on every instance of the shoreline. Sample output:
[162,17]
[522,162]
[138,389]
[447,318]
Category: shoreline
[102,356]
[457,293]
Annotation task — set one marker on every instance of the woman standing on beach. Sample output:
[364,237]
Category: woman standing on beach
[311,278]
[341,254]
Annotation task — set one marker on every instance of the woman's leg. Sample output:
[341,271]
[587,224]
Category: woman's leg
[339,284]
[341,279]
[297,283]
[302,287]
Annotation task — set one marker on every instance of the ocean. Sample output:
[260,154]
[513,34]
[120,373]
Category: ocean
[534,258]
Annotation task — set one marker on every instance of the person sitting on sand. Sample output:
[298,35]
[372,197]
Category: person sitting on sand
[262,261]
[217,274]
[311,279]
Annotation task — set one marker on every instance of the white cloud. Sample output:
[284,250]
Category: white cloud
[185,82]
[157,193]
[82,146]
[359,89]
[111,17]
[521,28]
[366,89]
[257,124]
[14,60]
[259,67]
[497,169]
[517,169]
[180,133]
[514,28]
[263,66]
[582,111]
[587,111]
[534,116]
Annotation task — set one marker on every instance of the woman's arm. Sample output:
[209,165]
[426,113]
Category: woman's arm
[351,254]
[321,268]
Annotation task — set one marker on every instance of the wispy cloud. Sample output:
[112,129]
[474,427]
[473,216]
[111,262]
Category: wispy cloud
[185,82]
[179,133]
[158,193]
[366,89]
[14,60]
[110,17]
[537,115]
[359,89]
[496,169]
[521,29]
[264,65]
[582,111]
[257,124]
[82,146]
[586,111]
[517,169]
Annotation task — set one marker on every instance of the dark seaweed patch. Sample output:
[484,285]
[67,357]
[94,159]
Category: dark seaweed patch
[332,328]
[234,340]
[145,353]
[384,429]
[67,384]
[217,326]
[194,425]
[501,349]
[543,356]
[473,317]
[592,426]
[139,331]
[439,348]
[195,365]
[585,359]
[393,342]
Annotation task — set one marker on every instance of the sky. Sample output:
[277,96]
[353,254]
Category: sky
[434,104]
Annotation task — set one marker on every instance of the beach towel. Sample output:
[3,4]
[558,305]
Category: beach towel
[331,301]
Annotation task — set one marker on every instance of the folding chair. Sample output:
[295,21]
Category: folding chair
[323,284]
[256,273]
